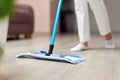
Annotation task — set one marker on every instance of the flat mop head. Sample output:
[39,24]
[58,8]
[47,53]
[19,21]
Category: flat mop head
[53,57]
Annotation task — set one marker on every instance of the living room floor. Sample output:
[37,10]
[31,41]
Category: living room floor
[100,64]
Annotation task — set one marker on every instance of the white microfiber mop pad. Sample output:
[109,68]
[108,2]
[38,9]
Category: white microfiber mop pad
[56,57]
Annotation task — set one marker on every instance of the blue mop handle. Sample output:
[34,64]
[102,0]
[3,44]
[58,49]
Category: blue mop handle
[56,22]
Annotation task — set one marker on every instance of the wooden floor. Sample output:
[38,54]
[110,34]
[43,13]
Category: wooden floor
[101,63]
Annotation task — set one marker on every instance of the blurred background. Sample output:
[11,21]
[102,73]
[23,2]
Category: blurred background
[44,13]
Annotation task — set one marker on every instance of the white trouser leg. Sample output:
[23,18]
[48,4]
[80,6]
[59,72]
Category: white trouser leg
[81,9]
[99,9]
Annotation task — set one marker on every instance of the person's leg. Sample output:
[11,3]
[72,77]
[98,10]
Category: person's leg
[108,36]
[99,9]
[81,9]
[110,42]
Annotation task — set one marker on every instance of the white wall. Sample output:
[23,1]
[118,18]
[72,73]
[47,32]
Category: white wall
[113,7]
[42,14]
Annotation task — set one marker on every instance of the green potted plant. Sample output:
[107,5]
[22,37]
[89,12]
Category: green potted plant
[6,7]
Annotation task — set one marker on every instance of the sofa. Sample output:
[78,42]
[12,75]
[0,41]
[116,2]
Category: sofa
[21,21]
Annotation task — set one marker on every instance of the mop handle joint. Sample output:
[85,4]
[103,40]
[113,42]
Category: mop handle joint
[50,50]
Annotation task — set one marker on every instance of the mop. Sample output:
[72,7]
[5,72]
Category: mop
[43,55]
